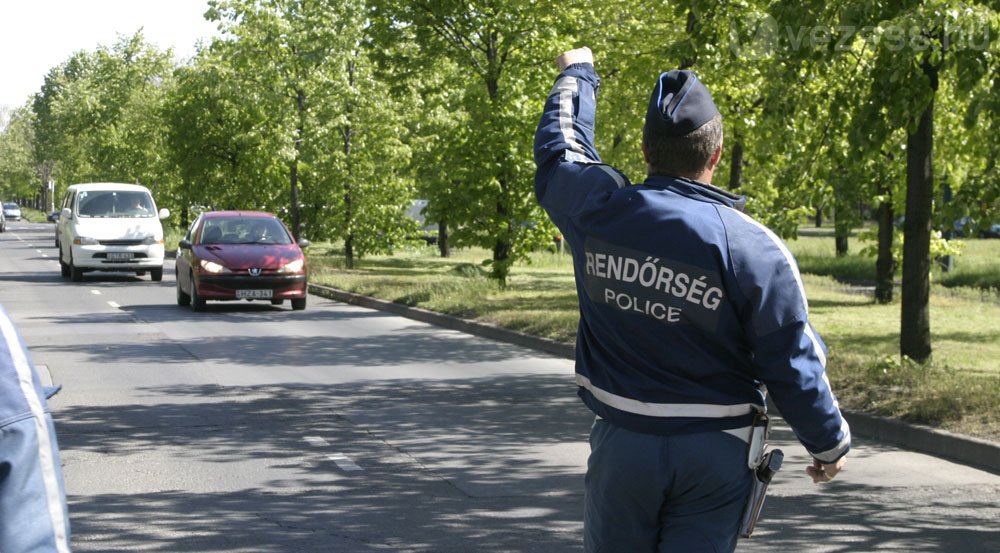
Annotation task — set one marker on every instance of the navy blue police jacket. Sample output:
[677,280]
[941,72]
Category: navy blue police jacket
[33,517]
[687,304]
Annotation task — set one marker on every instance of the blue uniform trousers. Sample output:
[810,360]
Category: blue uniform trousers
[660,494]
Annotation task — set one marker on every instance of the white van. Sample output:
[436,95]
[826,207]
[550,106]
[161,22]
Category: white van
[110,227]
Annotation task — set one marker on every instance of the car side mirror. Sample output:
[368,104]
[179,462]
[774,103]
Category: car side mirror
[184,244]
[66,213]
[164,213]
[303,243]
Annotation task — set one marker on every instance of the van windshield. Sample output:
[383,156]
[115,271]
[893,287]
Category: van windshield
[104,203]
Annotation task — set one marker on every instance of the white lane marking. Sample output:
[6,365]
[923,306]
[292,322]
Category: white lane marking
[96,292]
[113,304]
[344,462]
[316,441]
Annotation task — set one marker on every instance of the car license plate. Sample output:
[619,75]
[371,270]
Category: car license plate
[119,256]
[254,294]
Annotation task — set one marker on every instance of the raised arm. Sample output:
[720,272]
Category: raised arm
[566,129]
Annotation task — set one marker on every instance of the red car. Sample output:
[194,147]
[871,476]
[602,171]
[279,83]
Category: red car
[240,255]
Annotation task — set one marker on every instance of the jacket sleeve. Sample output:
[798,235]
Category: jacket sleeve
[564,146]
[33,514]
[788,355]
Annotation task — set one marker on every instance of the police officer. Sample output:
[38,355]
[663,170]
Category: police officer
[687,306]
[33,517]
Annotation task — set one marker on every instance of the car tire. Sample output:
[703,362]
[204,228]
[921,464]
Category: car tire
[277,302]
[156,275]
[197,302]
[183,299]
[63,267]
[298,304]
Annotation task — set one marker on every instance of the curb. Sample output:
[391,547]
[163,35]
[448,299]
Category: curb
[965,450]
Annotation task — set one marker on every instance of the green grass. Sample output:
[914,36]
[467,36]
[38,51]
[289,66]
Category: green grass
[958,390]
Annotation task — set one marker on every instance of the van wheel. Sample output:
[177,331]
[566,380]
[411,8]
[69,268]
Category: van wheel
[63,267]
[156,275]
[75,273]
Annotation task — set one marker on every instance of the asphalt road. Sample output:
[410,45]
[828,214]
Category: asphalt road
[251,428]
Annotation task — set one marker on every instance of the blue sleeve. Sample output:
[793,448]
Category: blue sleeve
[570,177]
[33,514]
[788,355]
[567,124]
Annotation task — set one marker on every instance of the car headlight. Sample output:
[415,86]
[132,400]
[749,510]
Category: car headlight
[150,240]
[212,267]
[293,267]
[86,241]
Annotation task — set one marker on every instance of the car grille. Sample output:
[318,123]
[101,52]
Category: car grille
[121,242]
[234,282]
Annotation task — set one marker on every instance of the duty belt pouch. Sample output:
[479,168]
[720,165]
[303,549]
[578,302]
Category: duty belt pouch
[763,464]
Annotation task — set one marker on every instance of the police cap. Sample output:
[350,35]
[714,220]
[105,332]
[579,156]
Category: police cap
[680,104]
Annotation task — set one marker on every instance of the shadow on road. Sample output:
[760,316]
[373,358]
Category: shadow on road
[449,466]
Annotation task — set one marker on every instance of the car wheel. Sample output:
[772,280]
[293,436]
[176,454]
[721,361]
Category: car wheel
[277,302]
[183,299]
[140,273]
[298,304]
[197,302]
[156,275]
[63,267]
[75,273]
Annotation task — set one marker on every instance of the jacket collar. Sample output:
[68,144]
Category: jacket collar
[697,190]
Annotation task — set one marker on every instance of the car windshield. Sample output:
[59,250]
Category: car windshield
[244,230]
[10,206]
[115,204]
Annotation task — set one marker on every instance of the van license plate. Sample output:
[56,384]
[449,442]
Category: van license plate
[254,294]
[119,256]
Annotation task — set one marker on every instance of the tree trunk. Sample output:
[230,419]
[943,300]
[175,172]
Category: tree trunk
[443,246]
[348,199]
[819,216]
[294,197]
[502,247]
[915,329]
[885,265]
[736,169]
[348,204]
[300,130]
[841,241]
[841,229]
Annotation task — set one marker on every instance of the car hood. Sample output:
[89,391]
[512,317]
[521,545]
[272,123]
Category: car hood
[249,256]
[120,228]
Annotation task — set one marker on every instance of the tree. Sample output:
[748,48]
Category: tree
[915,52]
[18,177]
[226,155]
[306,64]
[98,115]
[502,49]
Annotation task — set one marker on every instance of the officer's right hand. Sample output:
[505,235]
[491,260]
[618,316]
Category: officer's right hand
[577,55]
[822,472]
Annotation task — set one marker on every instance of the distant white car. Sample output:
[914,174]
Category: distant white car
[110,227]
[11,211]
